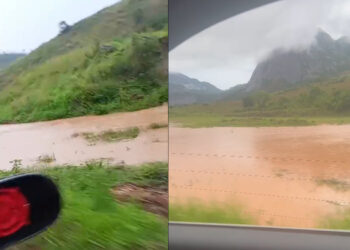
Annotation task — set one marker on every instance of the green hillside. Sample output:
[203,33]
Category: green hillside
[115,60]
[326,101]
[7,58]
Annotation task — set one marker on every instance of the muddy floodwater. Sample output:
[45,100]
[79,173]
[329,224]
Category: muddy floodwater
[280,176]
[57,139]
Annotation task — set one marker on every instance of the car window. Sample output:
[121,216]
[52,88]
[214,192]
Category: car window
[258,112]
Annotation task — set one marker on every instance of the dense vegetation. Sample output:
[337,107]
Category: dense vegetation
[92,218]
[329,98]
[115,60]
[325,101]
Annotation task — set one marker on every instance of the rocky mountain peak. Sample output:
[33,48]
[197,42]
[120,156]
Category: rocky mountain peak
[326,57]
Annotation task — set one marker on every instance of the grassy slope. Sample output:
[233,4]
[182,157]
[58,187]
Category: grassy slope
[71,75]
[92,219]
[7,59]
[118,21]
[323,102]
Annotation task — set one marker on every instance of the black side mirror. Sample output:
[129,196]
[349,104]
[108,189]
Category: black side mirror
[28,205]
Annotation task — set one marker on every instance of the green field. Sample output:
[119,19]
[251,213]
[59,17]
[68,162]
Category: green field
[92,218]
[198,119]
[197,212]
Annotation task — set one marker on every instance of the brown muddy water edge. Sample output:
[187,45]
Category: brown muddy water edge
[54,141]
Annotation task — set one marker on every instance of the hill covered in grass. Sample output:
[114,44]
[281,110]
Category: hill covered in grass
[289,88]
[115,60]
[7,58]
[325,101]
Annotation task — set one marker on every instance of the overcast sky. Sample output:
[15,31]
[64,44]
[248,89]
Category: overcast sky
[25,24]
[227,53]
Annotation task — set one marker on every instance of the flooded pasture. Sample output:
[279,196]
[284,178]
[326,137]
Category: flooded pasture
[280,176]
[57,140]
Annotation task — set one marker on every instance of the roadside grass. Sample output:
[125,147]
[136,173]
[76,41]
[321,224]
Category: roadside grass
[338,185]
[113,61]
[111,135]
[91,217]
[158,125]
[340,221]
[197,212]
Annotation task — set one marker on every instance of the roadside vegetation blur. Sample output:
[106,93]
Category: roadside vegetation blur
[92,216]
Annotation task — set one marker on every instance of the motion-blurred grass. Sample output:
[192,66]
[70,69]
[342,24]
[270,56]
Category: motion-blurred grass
[197,212]
[340,221]
[91,217]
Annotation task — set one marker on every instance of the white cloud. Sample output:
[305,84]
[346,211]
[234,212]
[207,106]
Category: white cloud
[25,24]
[227,53]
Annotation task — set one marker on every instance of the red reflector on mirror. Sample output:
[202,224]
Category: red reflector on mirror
[14,211]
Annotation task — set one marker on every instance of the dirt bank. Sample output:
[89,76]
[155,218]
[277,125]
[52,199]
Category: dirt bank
[28,142]
[282,176]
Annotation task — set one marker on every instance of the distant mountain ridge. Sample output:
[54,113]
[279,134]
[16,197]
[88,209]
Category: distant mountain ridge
[184,90]
[285,69]
[325,57]
[7,58]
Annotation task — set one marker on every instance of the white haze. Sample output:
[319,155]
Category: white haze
[227,53]
[26,24]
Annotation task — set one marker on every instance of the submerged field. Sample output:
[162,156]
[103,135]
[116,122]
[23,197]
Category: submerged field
[272,176]
[92,218]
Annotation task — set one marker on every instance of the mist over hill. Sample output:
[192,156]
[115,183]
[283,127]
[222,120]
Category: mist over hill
[283,69]
[184,90]
[7,58]
[302,87]
[325,57]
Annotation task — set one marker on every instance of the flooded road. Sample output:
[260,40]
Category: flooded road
[280,176]
[28,142]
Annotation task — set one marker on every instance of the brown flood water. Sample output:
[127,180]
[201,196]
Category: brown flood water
[28,142]
[273,174]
